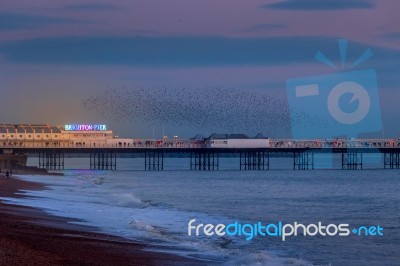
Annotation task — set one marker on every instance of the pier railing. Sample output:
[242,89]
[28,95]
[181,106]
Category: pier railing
[139,143]
[192,144]
[335,143]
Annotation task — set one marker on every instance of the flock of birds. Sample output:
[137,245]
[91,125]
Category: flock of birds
[206,109]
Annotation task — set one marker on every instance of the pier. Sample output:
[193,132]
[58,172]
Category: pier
[205,159]
[52,144]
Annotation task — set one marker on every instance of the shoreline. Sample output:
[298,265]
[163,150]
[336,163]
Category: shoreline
[31,236]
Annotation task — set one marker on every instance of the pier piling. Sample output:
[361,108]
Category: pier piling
[392,160]
[303,160]
[103,161]
[352,160]
[204,160]
[250,160]
[51,160]
[154,160]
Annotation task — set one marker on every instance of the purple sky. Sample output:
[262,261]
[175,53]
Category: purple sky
[53,54]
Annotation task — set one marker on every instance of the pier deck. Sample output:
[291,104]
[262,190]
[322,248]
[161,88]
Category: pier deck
[201,158]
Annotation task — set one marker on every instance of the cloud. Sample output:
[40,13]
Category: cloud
[180,51]
[91,7]
[391,35]
[264,27]
[314,5]
[162,51]
[19,21]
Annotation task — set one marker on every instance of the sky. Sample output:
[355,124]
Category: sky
[54,55]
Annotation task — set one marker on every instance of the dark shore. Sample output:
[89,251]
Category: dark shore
[29,236]
[30,170]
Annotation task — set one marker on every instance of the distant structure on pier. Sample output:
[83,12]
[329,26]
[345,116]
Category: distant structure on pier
[38,135]
[236,141]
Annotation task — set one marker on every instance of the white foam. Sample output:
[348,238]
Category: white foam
[264,259]
[128,200]
[96,202]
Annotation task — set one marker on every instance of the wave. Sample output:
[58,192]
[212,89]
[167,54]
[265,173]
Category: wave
[128,200]
[96,202]
[262,258]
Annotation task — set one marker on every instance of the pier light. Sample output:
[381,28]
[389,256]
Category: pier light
[85,127]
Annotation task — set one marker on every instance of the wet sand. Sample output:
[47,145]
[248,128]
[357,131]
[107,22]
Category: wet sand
[29,236]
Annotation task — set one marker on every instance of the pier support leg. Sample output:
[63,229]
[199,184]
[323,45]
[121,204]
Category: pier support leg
[352,160]
[51,160]
[154,160]
[303,160]
[103,160]
[204,160]
[392,160]
[250,160]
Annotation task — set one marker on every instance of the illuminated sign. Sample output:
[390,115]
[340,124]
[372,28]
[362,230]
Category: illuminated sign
[85,127]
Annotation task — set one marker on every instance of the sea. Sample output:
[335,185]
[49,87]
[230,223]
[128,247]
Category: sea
[155,207]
